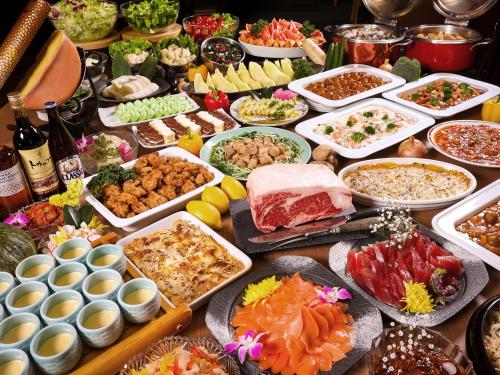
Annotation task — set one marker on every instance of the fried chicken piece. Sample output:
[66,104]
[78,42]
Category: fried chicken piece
[111,191]
[150,180]
[140,163]
[155,160]
[126,198]
[153,199]
[120,209]
[165,169]
[131,187]
[138,207]
[167,191]
[187,187]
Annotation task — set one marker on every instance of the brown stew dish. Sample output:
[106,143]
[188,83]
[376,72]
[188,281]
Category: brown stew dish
[344,85]
[484,228]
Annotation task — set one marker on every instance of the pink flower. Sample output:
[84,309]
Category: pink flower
[82,143]
[332,295]
[17,220]
[284,94]
[246,344]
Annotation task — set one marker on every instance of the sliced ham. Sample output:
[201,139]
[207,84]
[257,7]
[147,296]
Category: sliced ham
[286,195]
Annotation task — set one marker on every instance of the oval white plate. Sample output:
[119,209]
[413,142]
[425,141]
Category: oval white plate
[300,106]
[273,52]
[432,132]
[416,205]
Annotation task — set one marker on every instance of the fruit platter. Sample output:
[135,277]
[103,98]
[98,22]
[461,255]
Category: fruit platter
[241,189]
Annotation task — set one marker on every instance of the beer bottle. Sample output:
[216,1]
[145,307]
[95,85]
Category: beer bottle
[14,191]
[62,148]
[33,149]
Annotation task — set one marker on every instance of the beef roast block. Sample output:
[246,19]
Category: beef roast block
[286,195]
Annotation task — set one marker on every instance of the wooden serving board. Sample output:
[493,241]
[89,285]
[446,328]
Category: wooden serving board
[101,43]
[172,31]
[136,338]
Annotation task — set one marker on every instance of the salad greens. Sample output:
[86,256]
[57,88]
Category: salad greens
[135,46]
[149,15]
[112,174]
[183,41]
[302,68]
[229,25]
[307,28]
[84,20]
[148,109]
[218,154]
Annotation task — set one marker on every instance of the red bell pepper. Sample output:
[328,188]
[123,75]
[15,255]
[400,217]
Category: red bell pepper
[215,100]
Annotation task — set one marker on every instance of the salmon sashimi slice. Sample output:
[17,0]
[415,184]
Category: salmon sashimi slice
[303,334]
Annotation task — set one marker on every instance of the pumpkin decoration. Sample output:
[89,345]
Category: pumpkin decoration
[15,245]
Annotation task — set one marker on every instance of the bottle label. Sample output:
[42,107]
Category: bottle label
[69,169]
[11,181]
[40,169]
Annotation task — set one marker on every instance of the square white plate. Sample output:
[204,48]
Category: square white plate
[167,223]
[299,85]
[489,92]
[422,121]
[108,118]
[139,139]
[163,209]
[445,222]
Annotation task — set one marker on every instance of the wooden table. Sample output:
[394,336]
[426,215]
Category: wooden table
[453,328]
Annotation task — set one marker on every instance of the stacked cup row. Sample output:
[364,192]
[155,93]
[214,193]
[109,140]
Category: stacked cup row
[57,348]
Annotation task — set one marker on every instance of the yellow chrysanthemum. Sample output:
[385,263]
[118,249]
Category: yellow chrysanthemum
[257,292]
[71,197]
[417,298]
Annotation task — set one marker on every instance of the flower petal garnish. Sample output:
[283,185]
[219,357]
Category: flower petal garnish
[17,220]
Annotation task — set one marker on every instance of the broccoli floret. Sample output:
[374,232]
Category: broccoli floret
[407,68]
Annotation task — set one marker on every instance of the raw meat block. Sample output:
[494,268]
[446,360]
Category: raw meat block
[286,195]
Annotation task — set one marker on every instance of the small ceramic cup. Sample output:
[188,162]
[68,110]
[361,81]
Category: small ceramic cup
[68,276]
[17,331]
[7,283]
[27,297]
[100,323]
[3,313]
[103,284]
[107,257]
[35,268]
[62,307]
[73,250]
[56,349]
[15,361]
[139,300]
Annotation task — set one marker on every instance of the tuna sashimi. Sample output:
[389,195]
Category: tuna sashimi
[302,334]
[381,268]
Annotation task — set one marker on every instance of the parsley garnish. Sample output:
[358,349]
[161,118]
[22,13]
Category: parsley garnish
[386,117]
[350,123]
[434,101]
[415,96]
[257,27]
[391,126]
[368,114]
[430,88]
[307,28]
[369,129]
[358,137]
[328,130]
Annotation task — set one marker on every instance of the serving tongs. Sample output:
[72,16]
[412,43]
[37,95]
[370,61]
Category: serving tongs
[357,221]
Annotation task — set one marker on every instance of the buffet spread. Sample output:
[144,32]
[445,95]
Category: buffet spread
[112,238]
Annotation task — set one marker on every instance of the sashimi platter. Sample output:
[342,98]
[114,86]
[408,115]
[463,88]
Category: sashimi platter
[197,191]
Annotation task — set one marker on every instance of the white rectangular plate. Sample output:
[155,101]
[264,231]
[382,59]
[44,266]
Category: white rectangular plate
[299,85]
[134,129]
[489,92]
[165,208]
[422,121]
[108,118]
[167,223]
[445,222]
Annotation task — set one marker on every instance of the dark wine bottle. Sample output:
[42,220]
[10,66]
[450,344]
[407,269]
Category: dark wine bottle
[33,149]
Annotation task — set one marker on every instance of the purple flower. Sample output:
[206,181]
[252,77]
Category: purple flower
[17,220]
[332,295]
[82,143]
[246,343]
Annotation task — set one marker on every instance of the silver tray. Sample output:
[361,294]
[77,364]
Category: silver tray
[472,282]
[367,318]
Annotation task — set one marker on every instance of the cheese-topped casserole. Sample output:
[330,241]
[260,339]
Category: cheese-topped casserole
[183,261]
[407,181]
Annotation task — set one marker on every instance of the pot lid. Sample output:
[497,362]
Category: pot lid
[462,10]
[390,9]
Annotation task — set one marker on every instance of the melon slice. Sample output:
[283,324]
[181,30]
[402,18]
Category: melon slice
[56,74]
